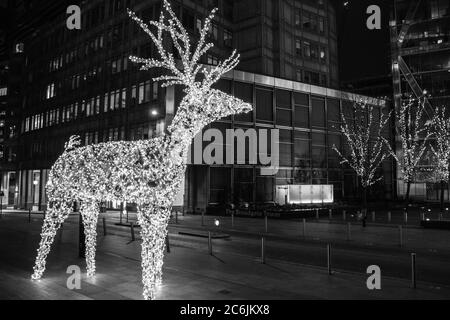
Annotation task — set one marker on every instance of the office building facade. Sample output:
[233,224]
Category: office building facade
[82,82]
[420,41]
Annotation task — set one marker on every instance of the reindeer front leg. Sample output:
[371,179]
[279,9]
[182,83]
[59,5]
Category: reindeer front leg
[54,217]
[90,211]
[153,220]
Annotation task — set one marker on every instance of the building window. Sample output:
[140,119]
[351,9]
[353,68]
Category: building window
[301,110]
[323,80]
[147,91]
[123,100]
[18,48]
[214,31]
[155,90]
[321,25]
[188,20]
[212,60]
[198,25]
[323,54]
[244,91]
[285,148]
[133,94]
[227,38]
[141,93]
[302,150]
[314,51]
[307,77]
[297,18]
[298,75]
[284,108]
[318,112]
[306,49]
[50,91]
[264,105]
[298,47]
[309,21]
[117,99]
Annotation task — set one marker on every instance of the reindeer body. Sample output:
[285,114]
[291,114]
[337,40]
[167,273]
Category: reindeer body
[111,179]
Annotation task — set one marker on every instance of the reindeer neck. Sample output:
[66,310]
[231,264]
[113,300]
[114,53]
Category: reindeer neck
[183,127]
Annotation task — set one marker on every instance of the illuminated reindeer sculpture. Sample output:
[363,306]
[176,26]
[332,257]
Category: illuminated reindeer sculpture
[146,172]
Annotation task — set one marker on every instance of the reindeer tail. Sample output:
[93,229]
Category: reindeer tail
[74,141]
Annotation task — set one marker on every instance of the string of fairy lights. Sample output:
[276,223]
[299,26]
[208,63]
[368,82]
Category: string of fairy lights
[146,172]
[441,146]
[414,135]
[367,148]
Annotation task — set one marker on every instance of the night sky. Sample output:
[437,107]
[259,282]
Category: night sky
[363,53]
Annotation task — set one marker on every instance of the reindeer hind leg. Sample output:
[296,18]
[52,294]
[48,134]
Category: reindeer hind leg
[54,217]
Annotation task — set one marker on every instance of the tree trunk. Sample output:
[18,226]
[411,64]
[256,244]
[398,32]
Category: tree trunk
[364,202]
[408,189]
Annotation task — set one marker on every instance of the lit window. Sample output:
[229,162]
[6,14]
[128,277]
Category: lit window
[141,93]
[50,91]
[212,60]
[19,48]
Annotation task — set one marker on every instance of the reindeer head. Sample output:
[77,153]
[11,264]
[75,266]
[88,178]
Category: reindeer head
[201,105]
[197,111]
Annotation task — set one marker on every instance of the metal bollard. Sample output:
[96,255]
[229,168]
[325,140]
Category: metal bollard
[405,217]
[203,218]
[232,219]
[373,216]
[317,214]
[265,223]
[413,270]
[210,243]
[329,258]
[167,243]
[29,215]
[349,234]
[400,234]
[330,214]
[263,250]
[104,226]
[304,228]
[344,215]
[132,231]
[389,216]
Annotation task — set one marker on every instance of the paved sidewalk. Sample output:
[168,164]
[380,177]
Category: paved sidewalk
[188,274]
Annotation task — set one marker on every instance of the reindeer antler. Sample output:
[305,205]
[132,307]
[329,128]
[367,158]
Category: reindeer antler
[181,42]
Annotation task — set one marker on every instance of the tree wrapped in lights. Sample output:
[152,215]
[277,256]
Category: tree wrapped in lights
[367,148]
[414,135]
[441,148]
[146,172]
